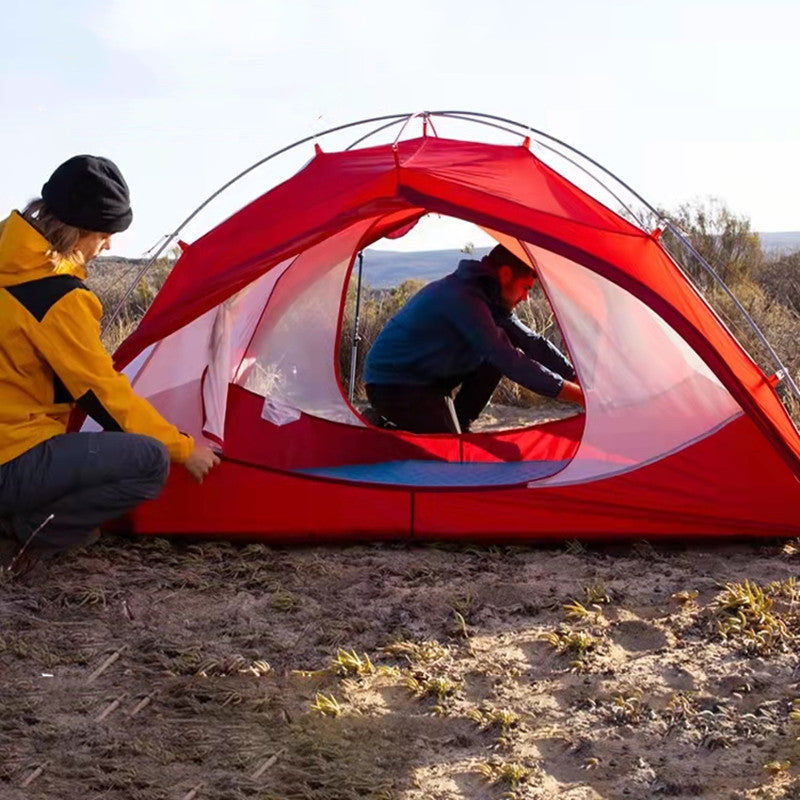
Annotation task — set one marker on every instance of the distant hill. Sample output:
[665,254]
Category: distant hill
[384,268]
[780,241]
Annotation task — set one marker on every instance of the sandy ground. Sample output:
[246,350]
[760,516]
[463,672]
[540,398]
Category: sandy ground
[150,668]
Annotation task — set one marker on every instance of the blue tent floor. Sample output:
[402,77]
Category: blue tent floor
[441,474]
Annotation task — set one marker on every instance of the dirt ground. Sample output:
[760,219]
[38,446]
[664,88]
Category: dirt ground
[151,668]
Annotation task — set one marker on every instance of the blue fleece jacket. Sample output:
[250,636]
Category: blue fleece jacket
[453,325]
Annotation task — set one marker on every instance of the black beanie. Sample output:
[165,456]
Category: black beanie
[89,192]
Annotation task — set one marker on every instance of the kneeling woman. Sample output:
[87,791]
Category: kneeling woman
[51,358]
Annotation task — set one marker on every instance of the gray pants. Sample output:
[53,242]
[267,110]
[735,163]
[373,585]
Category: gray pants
[83,479]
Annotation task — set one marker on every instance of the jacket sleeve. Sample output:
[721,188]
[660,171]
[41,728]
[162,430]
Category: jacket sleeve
[474,321]
[537,347]
[69,340]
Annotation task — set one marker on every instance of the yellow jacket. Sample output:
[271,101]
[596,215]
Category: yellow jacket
[51,356]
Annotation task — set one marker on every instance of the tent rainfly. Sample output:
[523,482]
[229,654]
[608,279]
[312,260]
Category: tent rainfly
[683,433]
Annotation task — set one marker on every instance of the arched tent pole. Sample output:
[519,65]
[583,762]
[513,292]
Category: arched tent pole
[172,236]
[489,120]
[366,136]
[523,130]
[426,121]
[475,116]
[423,115]
[783,373]
[568,159]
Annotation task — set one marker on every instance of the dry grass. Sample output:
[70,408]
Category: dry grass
[363,687]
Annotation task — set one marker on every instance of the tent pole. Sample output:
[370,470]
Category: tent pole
[394,119]
[108,319]
[489,120]
[356,335]
[782,372]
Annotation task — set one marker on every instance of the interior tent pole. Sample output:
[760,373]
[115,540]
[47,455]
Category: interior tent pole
[356,336]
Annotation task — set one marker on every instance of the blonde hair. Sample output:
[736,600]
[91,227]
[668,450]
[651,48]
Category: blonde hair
[62,237]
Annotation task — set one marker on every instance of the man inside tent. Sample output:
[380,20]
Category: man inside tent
[461,333]
[56,488]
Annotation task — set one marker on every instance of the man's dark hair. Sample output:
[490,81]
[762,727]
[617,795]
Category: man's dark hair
[500,256]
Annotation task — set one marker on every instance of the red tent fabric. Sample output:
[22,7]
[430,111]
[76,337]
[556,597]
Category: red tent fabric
[740,474]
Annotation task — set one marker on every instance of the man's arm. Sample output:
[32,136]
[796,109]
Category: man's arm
[537,347]
[473,319]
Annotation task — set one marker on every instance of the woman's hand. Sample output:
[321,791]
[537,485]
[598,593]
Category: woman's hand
[201,461]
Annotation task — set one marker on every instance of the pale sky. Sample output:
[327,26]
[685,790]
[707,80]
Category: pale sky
[681,100]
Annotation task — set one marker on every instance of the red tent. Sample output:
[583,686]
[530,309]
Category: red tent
[683,432]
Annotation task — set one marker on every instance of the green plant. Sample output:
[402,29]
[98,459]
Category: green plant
[327,705]
[350,663]
[285,601]
[511,773]
[628,708]
[597,594]
[439,687]
[577,611]
[503,719]
[747,615]
[681,705]
[459,625]
[83,596]
[574,547]
[791,548]
[576,644]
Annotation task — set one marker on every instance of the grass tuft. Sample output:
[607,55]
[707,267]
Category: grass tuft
[508,773]
[327,705]
[576,644]
[762,620]
[424,653]
[347,663]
